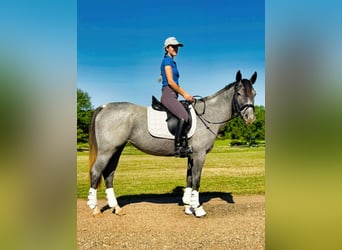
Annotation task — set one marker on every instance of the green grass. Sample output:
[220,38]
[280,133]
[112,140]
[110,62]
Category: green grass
[227,169]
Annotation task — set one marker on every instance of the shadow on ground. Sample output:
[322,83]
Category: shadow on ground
[168,198]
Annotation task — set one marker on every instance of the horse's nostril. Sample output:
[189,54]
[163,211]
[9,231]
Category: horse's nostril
[249,118]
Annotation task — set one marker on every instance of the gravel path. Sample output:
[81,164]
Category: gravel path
[232,222]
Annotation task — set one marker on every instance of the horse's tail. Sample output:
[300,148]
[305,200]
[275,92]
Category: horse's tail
[92,140]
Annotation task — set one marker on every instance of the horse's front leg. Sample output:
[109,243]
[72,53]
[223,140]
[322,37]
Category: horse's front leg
[188,190]
[191,193]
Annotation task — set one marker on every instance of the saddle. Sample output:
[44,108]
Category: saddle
[161,119]
[171,119]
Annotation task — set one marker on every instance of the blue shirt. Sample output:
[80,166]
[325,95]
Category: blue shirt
[175,74]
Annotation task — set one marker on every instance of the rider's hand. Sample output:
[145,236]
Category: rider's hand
[189,98]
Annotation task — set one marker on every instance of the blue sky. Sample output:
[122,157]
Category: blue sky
[120,46]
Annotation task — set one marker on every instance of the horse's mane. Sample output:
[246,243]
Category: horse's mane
[219,92]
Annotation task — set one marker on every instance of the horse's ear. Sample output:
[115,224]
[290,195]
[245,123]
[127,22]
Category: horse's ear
[238,76]
[254,77]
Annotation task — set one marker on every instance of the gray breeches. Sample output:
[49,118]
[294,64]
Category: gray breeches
[170,101]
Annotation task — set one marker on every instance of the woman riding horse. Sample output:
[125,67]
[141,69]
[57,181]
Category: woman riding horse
[117,123]
[170,92]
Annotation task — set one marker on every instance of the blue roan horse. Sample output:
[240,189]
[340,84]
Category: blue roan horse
[115,124]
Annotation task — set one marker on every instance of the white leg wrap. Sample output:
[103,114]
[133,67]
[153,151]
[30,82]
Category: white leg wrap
[188,209]
[187,195]
[92,198]
[112,202]
[199,212]
[194,201]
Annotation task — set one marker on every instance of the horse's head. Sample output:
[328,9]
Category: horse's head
[243,102]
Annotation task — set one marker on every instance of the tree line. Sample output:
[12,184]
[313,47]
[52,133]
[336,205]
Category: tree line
[235,129]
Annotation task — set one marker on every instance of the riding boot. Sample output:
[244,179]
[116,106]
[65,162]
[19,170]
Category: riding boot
[181,140]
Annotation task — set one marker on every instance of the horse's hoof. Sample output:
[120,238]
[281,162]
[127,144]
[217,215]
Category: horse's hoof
[189,210]
[199,212]
[97,213]
[118,211]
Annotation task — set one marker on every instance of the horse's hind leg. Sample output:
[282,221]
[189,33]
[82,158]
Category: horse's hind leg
[108,175]
[97,169]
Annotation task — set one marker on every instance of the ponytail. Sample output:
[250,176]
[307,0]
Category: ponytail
[160,77]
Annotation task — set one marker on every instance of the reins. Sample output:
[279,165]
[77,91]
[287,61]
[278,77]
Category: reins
[204,120]
[237,111]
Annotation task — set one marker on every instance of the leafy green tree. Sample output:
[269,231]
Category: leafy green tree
[258,126]
[84,113]
[236,129]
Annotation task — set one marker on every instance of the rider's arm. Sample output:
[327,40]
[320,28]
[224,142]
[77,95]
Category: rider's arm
[174,85]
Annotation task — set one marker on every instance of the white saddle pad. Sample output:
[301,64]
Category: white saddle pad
[157,125]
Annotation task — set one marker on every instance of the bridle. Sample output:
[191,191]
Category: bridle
[237,111]
[241,110]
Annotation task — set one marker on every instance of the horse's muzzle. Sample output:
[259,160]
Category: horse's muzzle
[248,115]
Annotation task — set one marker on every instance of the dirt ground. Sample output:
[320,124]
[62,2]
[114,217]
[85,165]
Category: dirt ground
[159,222]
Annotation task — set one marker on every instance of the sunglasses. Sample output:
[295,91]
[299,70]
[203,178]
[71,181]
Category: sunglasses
[174,46]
